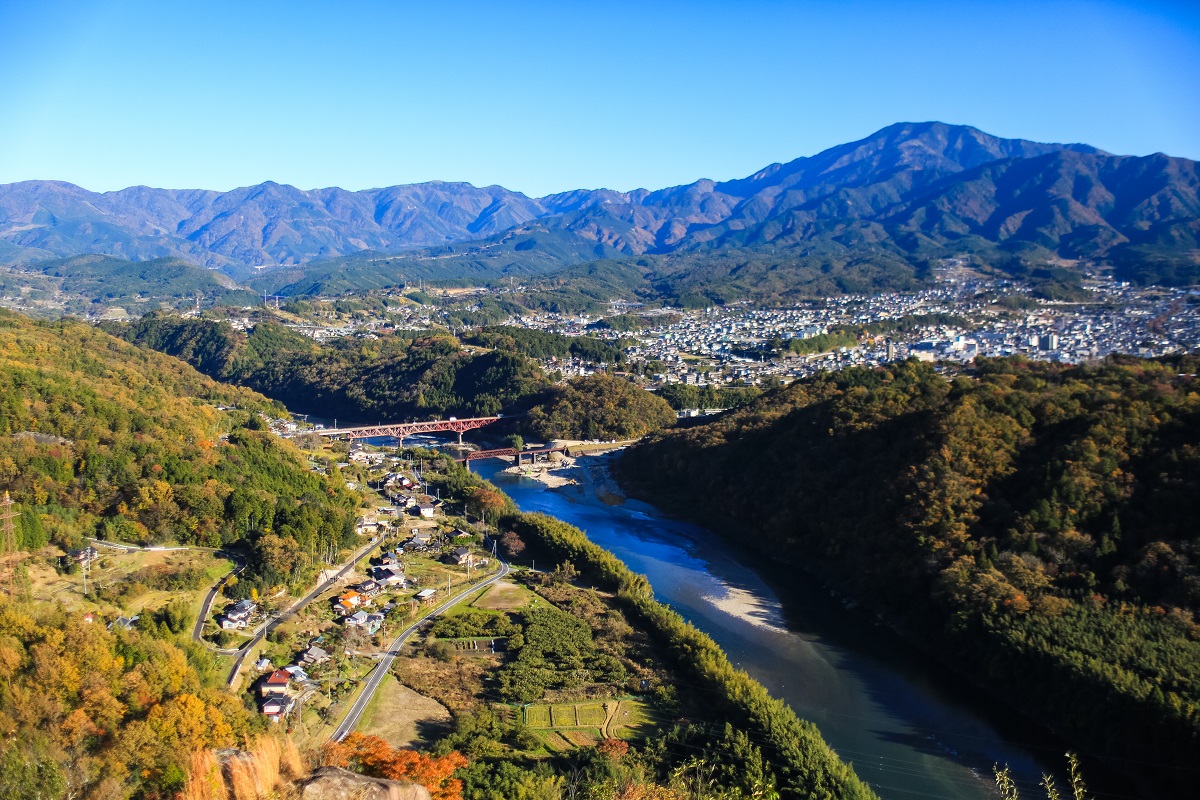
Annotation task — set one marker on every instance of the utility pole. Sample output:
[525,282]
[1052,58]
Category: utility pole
[7,515]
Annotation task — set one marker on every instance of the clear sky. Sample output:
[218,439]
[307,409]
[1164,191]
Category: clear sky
[544,97]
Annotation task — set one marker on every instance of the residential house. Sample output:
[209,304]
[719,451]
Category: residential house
[356,620]
[297,672]
[313,656]
[426,510]
[368,622]
[238,615]
[459,555]
[388,576]
[274,683]
[84,557]
[348,602]
[277,706]
[369,588]
[426,596]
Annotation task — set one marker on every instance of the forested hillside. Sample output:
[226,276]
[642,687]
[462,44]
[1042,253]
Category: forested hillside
[105,714]
[1032,524]
[543,344]
[101,438]
[599,407]
[391,377]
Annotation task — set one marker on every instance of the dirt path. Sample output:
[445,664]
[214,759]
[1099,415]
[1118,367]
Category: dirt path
[610,712]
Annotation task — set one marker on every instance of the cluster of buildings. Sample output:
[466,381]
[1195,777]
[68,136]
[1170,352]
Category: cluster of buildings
[279,689]
[968,318]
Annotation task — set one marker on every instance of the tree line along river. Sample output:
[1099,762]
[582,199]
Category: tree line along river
[910,728]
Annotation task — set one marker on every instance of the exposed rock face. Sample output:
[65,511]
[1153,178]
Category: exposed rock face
[331,783]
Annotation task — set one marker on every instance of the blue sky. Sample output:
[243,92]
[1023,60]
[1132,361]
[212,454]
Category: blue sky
[544,97]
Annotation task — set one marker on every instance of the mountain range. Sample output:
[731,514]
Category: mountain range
[909,192]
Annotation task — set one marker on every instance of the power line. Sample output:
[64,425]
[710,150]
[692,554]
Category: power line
[10,543]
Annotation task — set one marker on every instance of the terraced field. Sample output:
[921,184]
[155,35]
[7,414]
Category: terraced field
[565,725]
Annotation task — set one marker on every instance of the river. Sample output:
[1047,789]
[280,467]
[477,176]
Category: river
[910,729]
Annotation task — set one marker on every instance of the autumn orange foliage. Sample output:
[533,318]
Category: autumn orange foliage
[372,755]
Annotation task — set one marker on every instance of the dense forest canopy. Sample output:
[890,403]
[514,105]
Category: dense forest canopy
[100,438]
[388,377]
[1033,523]
[681,395]
[599,407]
[105,714]
[544,344]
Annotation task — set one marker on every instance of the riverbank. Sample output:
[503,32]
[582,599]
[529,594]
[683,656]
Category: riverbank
[908,726]
[590,473]
[1104,779]
[553,475]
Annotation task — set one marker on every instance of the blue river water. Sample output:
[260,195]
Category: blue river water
[910,730]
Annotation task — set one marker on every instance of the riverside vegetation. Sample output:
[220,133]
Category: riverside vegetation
[100,437]
[1031,523]
[597,632]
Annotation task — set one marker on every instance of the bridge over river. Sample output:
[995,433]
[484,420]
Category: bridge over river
[512,452]
[402,429]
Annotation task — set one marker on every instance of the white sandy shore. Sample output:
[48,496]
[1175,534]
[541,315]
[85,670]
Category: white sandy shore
[553,474]
[596,478]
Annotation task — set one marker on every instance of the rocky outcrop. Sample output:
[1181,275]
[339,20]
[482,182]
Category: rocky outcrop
[331,783]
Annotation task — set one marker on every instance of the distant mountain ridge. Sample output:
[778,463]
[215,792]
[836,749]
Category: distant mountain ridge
[910,188]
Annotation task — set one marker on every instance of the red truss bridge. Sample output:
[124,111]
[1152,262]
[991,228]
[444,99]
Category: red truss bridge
[402,429]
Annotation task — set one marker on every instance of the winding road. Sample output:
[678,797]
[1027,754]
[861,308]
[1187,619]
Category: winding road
[202,617]
[350,721]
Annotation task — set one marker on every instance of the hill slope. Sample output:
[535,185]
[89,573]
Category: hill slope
[1031,525]
[101,438]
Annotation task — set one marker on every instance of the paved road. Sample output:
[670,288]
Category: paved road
[274,622]
[198,630]
[350,721]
